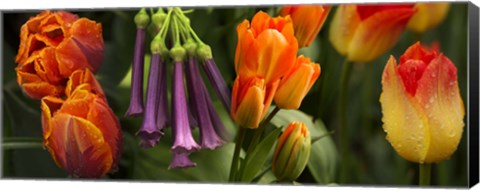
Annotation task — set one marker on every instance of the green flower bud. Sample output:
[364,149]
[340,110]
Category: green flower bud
[142,19]
[204,52]
[190,46]
[292,152]
[156,44]
[177,53]
[159,18]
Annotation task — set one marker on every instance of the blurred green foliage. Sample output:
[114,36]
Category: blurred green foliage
[373,160]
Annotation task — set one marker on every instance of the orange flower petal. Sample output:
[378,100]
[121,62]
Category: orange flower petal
[79,146]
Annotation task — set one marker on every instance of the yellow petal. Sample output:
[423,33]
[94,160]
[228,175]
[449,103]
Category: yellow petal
[440,98]
[250,108]
[343,26]
[406,126]
[428,16]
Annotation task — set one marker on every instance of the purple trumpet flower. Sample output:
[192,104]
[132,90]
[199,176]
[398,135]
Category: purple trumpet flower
[216,121]
[208,136]
[162,109]
[150,131]
[183,141]
[218,83]
[136,91]
[181,160]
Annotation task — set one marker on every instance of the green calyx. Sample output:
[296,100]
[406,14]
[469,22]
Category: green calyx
[159,18]
[204,51]
[157,46]
[177,53]
[142,19]
[191,47]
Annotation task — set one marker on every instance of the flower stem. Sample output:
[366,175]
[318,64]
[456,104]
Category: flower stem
[21,145]
[236,153]
[258,133]
[424,176]
[343,128]
[260,129]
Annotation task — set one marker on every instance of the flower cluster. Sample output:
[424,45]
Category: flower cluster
[188,111]
[268,69]
[57,57]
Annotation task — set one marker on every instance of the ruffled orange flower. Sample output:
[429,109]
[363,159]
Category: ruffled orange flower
[81,133]
[52,46]
[266,47]
[421,104]
[296,84]
[307,21]
[428,16]
[364,32]
[251,98]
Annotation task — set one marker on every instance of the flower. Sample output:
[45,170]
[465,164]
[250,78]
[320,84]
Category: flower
[296,84]
[364,32]
[307,21]
[250,100]
[292,152]
[135,107]
[421,105]
[428,16]
[183,142]
[198,101]
[266,47]
[204,52]
[81,133]
[52,46]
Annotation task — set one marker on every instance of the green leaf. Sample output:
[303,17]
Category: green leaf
[323,156]
[259,155]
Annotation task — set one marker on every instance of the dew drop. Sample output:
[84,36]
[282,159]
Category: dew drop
[434,75]
[451,133]
[431,99]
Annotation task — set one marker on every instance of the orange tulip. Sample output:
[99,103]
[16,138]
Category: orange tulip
[428,16]
[422,108]
[266,47]
[52,46]
[296,84]
[307,21]
[364,32]
[251,98]
[81,133]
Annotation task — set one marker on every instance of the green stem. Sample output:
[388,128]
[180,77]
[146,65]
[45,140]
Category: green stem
[424,176]
[236,153]
[21,145]
[257,135]
[343,130]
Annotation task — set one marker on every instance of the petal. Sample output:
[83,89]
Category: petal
[49,105]
[245,54]
[102,116]
[38,90]
[343,27]
[296,85]
[83,77]
[83,49]
[276,55]
[428,16]
[79,147]
[437,92]
[405,124]
[377,34]
[181,160]
[251,104]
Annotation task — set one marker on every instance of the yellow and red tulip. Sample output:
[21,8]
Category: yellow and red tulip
[251,98]
[421,104]
[307,21]
[266,47]
[52,46]
[295,85]
[428,16]
[364,32]
[81,133]
[292,152]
